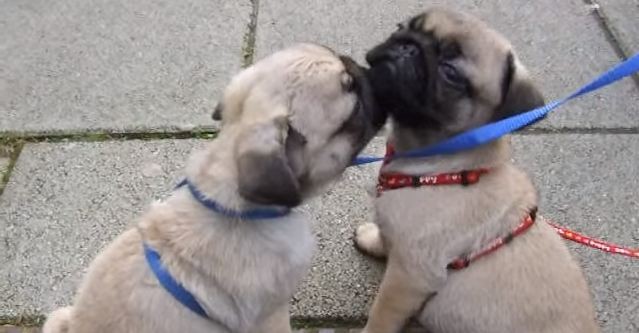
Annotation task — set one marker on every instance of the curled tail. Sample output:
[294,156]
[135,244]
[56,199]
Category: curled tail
[58,321]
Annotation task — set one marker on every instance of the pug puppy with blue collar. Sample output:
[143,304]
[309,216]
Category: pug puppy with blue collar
[224,252]
[463,249]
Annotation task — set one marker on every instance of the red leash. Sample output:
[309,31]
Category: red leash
[594,243]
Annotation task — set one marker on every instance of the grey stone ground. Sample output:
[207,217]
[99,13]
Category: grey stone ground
[622,17]
[14,329]
[80,67]
[4,165]
[86,65]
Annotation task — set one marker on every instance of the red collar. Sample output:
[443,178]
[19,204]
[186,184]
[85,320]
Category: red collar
[463,261]
[392,181]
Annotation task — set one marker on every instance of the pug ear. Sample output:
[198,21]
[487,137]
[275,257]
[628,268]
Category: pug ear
[264,172]
[217,113]
[518,91]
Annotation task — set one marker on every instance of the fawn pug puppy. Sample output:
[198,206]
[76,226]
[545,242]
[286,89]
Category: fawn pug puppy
[291,123]
[442,73]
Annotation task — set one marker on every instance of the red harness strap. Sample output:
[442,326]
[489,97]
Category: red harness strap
[391,181]
[463,262]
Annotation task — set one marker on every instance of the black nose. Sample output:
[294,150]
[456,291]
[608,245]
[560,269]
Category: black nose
[404,50]
[395,51]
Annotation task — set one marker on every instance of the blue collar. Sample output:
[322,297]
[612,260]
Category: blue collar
[251,214]
[173,287]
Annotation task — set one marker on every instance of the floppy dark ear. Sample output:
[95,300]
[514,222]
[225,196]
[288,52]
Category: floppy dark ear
[217,113]
[264,172]
[518,91]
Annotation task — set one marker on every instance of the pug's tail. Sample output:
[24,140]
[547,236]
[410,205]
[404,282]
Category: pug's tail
[58,321]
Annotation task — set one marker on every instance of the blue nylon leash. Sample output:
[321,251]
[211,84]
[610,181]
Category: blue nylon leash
[168,282]
[251,214]
[493,131]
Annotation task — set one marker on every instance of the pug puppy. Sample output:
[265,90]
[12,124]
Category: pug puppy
[291,123]
[442,73]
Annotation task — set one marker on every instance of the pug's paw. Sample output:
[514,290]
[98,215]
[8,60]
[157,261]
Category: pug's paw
[369,240]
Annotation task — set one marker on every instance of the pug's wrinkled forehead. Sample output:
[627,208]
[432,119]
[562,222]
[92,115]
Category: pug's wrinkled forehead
[485,56]
[310,71]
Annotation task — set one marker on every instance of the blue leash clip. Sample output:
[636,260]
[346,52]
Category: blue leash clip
[487,133]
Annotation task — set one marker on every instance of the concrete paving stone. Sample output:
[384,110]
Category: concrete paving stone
[589,184]
[65,201]
[79,65]
[4,165]
[561,42]
[16,329]
[622,17]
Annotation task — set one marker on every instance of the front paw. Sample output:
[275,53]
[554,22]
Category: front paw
[369,240]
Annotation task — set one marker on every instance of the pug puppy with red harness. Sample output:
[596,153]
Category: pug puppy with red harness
[459,231]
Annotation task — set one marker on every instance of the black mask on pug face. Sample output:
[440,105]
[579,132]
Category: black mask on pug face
[448,72]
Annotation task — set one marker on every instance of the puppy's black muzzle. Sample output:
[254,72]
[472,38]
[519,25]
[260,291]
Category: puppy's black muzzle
[404,45]
[397,66]
[392,52]
[399,73]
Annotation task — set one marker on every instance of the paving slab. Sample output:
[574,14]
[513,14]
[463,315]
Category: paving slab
[14,329]
[588,183]
[560,41]
[4,165]
[89,65]
[622,16]
[65,201]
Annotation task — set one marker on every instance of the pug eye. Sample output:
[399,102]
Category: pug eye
[450,51]
[348,84]
[452,76]
[400,26]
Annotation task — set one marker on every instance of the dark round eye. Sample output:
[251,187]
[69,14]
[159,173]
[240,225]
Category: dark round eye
[450,51]
[451,75]
[348,83]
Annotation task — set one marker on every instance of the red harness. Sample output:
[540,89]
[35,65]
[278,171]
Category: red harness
[392,181]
